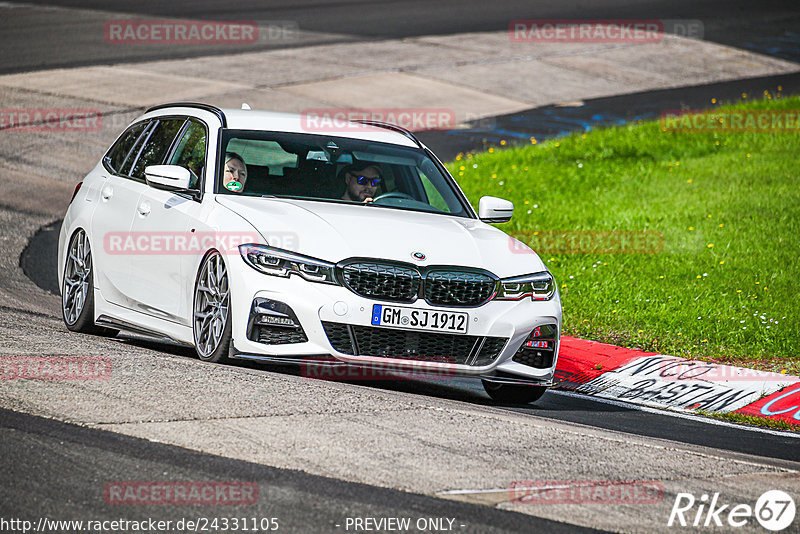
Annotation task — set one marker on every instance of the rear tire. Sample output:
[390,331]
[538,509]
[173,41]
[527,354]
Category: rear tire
[513,393]
[211,318]
[77,289]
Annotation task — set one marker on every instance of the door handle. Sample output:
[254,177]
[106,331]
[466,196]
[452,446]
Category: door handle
[144,209]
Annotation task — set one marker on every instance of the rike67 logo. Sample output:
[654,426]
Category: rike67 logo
[774,510]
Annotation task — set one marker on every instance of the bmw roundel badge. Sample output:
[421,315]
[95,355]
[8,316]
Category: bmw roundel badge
[418,256]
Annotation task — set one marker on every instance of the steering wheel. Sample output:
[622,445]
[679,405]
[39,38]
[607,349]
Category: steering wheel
[393,194]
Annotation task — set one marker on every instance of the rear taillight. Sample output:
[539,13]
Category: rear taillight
[75,193]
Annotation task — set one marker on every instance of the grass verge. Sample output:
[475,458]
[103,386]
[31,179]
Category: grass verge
[752,420]
[717,218]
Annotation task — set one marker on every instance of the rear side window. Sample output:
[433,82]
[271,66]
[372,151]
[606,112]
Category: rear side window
[157,145]
[116,155]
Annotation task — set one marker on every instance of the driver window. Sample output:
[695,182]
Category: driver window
[191,151]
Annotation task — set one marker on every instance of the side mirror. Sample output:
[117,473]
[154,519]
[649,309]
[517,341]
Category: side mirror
[167,177]
[495,210]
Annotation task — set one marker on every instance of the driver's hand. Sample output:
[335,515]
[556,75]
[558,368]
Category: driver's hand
[368,200]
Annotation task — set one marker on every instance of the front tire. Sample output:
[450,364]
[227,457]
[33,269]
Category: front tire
[513,393]
[211,322]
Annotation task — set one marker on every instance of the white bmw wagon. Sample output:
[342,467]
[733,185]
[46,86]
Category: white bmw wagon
[267,236]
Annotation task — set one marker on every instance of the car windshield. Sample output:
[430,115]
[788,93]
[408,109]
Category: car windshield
[335,169]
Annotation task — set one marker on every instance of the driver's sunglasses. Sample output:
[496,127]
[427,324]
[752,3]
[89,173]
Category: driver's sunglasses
[374,182]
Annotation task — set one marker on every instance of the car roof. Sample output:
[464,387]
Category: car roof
[321,124]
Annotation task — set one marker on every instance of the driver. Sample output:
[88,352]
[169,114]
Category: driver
[362,181]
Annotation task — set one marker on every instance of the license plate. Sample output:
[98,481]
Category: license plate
[416,319]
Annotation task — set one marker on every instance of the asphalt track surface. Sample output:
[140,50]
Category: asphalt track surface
[556,121]
[301,502]
[768,26]
[55,466]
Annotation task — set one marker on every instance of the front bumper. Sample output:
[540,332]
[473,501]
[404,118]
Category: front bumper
[315,305]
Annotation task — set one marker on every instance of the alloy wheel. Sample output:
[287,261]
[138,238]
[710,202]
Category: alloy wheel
[211,306]
[77,278]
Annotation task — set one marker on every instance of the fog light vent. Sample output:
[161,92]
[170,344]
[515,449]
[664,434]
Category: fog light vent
[274,323]
[539,348]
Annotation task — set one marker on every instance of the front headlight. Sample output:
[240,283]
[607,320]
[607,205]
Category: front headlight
[538,286]
[277,262]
